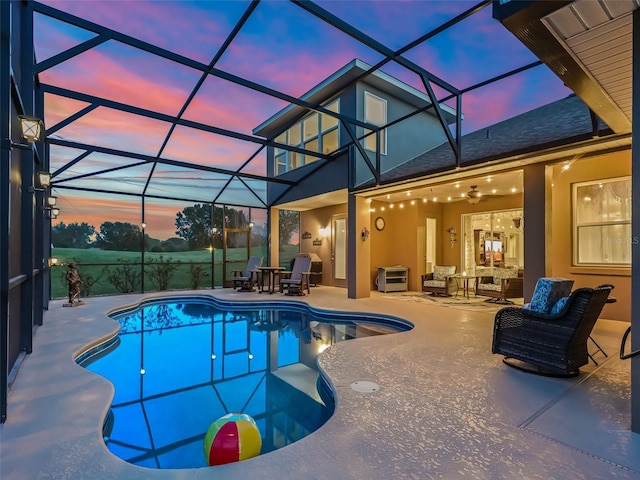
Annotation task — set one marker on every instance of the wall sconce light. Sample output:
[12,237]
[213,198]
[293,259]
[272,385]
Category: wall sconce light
[365,234]
[324,231]
[30,128]
[44,178]
[53,262]
[517,222]
[452,235]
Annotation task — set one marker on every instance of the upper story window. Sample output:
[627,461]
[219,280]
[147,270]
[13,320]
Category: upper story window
[375,112]
[317,132]
[602,223]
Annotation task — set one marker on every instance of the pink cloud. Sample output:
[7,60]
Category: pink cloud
[163,23]
[204,148]
[114,129]
[126,80]
[230,106]
[383,17]
[293,72]
[96,209]
[59,108]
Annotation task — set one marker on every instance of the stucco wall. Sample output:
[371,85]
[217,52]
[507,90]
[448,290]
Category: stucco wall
[423,129]
[311,221]
[609,166]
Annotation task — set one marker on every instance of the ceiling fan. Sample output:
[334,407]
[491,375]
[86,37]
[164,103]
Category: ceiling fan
[473,195]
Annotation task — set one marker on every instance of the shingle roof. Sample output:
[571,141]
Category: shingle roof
[562,122]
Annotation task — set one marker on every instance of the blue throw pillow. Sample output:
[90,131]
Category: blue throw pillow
[559,305]
[547,292]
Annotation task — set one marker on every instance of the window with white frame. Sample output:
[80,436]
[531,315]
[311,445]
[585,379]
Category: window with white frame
[375,112]
[602,223]
[317,132]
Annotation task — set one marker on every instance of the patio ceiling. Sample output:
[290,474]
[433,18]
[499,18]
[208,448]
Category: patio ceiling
[161,98]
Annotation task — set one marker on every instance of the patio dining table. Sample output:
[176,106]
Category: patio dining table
[267,279]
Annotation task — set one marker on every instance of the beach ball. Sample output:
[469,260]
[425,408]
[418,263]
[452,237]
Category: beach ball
[232,438]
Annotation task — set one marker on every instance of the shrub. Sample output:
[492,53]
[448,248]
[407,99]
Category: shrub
[160,271]
[125,278]
[197,273]
[87,284]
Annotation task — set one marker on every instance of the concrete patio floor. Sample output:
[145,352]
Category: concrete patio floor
[447,408]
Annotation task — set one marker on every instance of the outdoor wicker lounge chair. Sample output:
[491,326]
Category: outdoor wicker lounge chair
[297,280]
[503,284]
[440,281]
[244,280]
[549,344]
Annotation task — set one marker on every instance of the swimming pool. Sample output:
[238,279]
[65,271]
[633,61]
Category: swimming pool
[181,363]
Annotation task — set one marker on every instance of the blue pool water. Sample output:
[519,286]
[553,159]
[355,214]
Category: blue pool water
[179,366]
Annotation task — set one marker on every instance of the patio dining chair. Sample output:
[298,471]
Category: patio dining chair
[244,280]
[297,280]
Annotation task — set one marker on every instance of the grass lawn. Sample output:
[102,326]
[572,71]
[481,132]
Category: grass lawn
[96,266]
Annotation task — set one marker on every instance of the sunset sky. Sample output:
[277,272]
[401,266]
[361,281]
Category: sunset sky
[283,47]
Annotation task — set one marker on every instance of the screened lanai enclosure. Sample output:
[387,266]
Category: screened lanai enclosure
[177,133]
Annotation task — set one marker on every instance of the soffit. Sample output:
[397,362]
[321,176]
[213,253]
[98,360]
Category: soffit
[598,35]
[328,199]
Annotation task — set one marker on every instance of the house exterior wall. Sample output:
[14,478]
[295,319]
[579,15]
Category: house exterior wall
[327,177]
[359,247]
[397,244]
[405,140]
[597,168]
[334,175]
[311,221]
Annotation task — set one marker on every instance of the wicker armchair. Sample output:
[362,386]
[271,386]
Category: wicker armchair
[505,283]
[440,281]
[548,344]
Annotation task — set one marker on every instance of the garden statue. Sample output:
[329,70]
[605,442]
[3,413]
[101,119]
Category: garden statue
[73,278]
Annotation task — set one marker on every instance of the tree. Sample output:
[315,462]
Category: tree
[194,225]
[289,223]
[121,236]
[74,235]
[174,244]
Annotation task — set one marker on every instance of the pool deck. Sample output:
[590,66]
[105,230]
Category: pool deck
[446,407]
